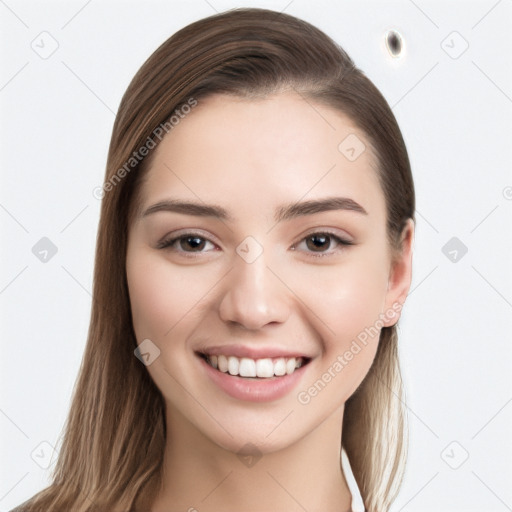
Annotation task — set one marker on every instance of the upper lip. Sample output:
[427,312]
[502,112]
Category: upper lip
[251,352]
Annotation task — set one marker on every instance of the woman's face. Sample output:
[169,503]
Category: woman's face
[261,245]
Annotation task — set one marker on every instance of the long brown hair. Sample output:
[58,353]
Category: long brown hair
[112,449]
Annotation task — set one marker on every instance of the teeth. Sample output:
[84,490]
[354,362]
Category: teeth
[222,361]
[247,367]
[280,367]
[263,368]
[233,365]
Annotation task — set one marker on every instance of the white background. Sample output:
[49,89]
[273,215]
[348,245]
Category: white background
[454,110]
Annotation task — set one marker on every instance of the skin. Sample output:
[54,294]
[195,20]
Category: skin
[251,157]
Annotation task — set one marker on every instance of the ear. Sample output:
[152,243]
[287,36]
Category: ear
[400,276]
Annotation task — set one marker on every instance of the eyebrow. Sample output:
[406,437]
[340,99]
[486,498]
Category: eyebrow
[282,213]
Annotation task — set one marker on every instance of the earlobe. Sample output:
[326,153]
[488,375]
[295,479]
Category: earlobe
[400,277]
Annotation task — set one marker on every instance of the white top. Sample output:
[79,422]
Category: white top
[357,501]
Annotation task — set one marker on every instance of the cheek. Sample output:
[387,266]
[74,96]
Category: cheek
[354,303]
[347,297]
[345,304]
[161,297]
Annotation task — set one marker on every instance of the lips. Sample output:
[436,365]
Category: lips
[241,351]
[253,373]
[253,362]
[253,388]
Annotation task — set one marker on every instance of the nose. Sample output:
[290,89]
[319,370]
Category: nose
[254,297]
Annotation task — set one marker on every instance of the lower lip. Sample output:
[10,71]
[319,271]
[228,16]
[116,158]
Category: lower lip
[254,390]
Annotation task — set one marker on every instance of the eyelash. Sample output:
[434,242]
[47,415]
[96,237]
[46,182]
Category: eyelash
[169,242]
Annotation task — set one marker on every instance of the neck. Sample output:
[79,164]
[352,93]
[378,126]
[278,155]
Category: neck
[200,476]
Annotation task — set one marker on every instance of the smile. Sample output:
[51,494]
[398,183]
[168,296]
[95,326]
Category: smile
[255,368]
[262,379]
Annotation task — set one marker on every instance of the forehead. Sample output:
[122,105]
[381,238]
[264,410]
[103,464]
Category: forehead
[253,154]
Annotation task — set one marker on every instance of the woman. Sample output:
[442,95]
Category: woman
[253,256]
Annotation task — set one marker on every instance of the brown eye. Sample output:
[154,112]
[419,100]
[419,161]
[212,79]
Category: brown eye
[323,244]
[193,243]
[318,242]
[187,243]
